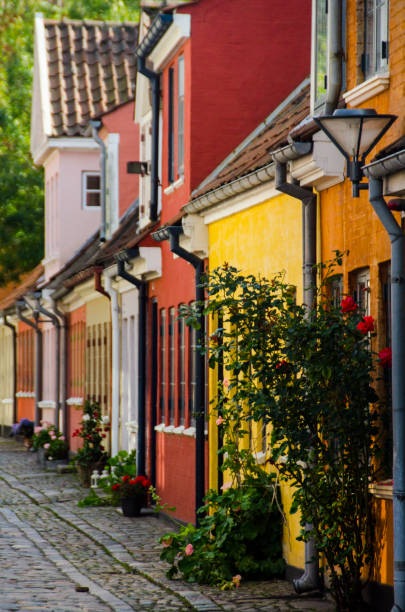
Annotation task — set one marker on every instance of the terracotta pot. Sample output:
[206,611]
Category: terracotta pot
[131,506]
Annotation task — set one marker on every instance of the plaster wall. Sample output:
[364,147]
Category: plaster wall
[263,240]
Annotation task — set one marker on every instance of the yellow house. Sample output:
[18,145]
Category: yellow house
[257,229]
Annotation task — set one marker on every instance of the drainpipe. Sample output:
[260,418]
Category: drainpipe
[115,390]
[335,56]
[396,237]
[55,322]
[142,287]
[95,126]
[156,31]
[309,581]
[20,304]
[63,366]
[14,345]
[173,233]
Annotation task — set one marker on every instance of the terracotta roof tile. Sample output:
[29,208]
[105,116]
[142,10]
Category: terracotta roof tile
[256,152]
[28,283]
[92,69]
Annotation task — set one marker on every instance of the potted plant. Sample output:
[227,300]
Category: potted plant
[91,456]
[44,434]
[132,493]
[56,450]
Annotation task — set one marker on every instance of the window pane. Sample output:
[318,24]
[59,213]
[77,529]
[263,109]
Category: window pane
[170,160]
[182,371]
[162,365]
[192,374]
[92,181]
[180,116]
[171,366]
[321,49]
[93,198]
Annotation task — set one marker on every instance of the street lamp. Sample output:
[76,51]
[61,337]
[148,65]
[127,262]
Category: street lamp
[355,132]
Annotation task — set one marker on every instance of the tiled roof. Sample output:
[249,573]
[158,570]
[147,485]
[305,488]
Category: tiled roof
[255,154]
[91,68]
[29,283]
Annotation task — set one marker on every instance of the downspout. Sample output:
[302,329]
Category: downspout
[38,354]
[63,366]
[157,29]
[309,581]
[142,287]
[14,345]
[55,322]
[95,126]
[335,56]
[396,237]
[198,264]
[115,390]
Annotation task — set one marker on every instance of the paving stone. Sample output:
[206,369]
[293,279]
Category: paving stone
[49,546]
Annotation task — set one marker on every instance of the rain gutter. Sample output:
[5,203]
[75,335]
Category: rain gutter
[20,304]
[55,322]
[159,26]
[309,581]
[14,345]
[172,233]
[95,126]
[388,165]
[142,286]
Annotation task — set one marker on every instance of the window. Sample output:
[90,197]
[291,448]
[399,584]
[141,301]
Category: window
[91,189]
[320,50]
[162,334]
[180,115]
[192,378]
[172,368]
[360,289]
[171,127]
[375,55]
[335,290]
[181,369]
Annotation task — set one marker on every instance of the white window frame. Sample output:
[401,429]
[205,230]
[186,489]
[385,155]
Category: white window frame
[379,11]
[180,115]
[85,191]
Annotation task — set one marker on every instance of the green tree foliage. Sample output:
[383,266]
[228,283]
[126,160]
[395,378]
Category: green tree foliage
[21,184]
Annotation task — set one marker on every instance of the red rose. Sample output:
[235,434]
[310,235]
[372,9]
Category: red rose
[139,479]
[147,483]
[125,478]
[103,435]
[385,356]
[115,487]
[282,365]
[348,304]
[132,482]
[366,325]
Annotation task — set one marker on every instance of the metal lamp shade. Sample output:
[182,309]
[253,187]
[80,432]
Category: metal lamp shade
[355,131]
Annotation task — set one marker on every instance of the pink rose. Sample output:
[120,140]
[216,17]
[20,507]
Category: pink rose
[219,420]
[47,445]
[226,383]
[189,550]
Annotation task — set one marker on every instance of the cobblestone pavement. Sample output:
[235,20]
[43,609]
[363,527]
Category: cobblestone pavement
[57,556]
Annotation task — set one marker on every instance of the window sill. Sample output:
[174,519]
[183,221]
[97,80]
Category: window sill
[74,401]
[8,400]
[25,394]
[47,404]
[367,89]
[381,490]
[173,186]
[171,429]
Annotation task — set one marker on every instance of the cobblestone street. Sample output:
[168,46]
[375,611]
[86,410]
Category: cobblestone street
[57,556]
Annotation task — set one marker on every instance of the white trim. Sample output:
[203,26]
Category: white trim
[25,394]
[75,401]
[175,36]
[178,430]
[189,432]
[368,89]
[47,404]
[241,202]
[40,38]
[7,400]
[65,143]
[160,427]
[381,490]
[168,190]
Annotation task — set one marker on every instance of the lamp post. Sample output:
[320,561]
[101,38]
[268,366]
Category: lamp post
[355,133]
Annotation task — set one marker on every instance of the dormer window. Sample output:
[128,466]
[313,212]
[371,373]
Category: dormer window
[91,189]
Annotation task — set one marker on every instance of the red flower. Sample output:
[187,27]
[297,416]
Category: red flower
[348,304]
[139,479]
[366,325]
[385,356]
[147,483]
[103,436]
[125,478]
[115,487]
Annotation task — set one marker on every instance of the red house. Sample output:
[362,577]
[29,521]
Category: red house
[208,73]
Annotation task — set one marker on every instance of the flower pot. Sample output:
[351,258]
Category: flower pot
[131,506]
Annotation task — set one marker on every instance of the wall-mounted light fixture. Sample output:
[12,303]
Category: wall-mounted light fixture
[355,132]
